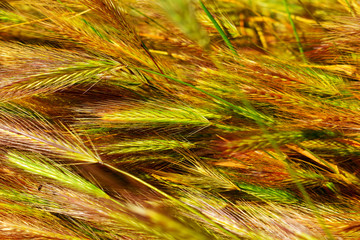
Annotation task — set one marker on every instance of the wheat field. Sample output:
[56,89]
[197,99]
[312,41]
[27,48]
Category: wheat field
[180,119]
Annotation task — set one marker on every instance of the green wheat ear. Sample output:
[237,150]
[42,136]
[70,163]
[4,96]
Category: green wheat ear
[48,169]
[179,119]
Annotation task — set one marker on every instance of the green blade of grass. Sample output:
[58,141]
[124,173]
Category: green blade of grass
[301,50]
[218,28]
